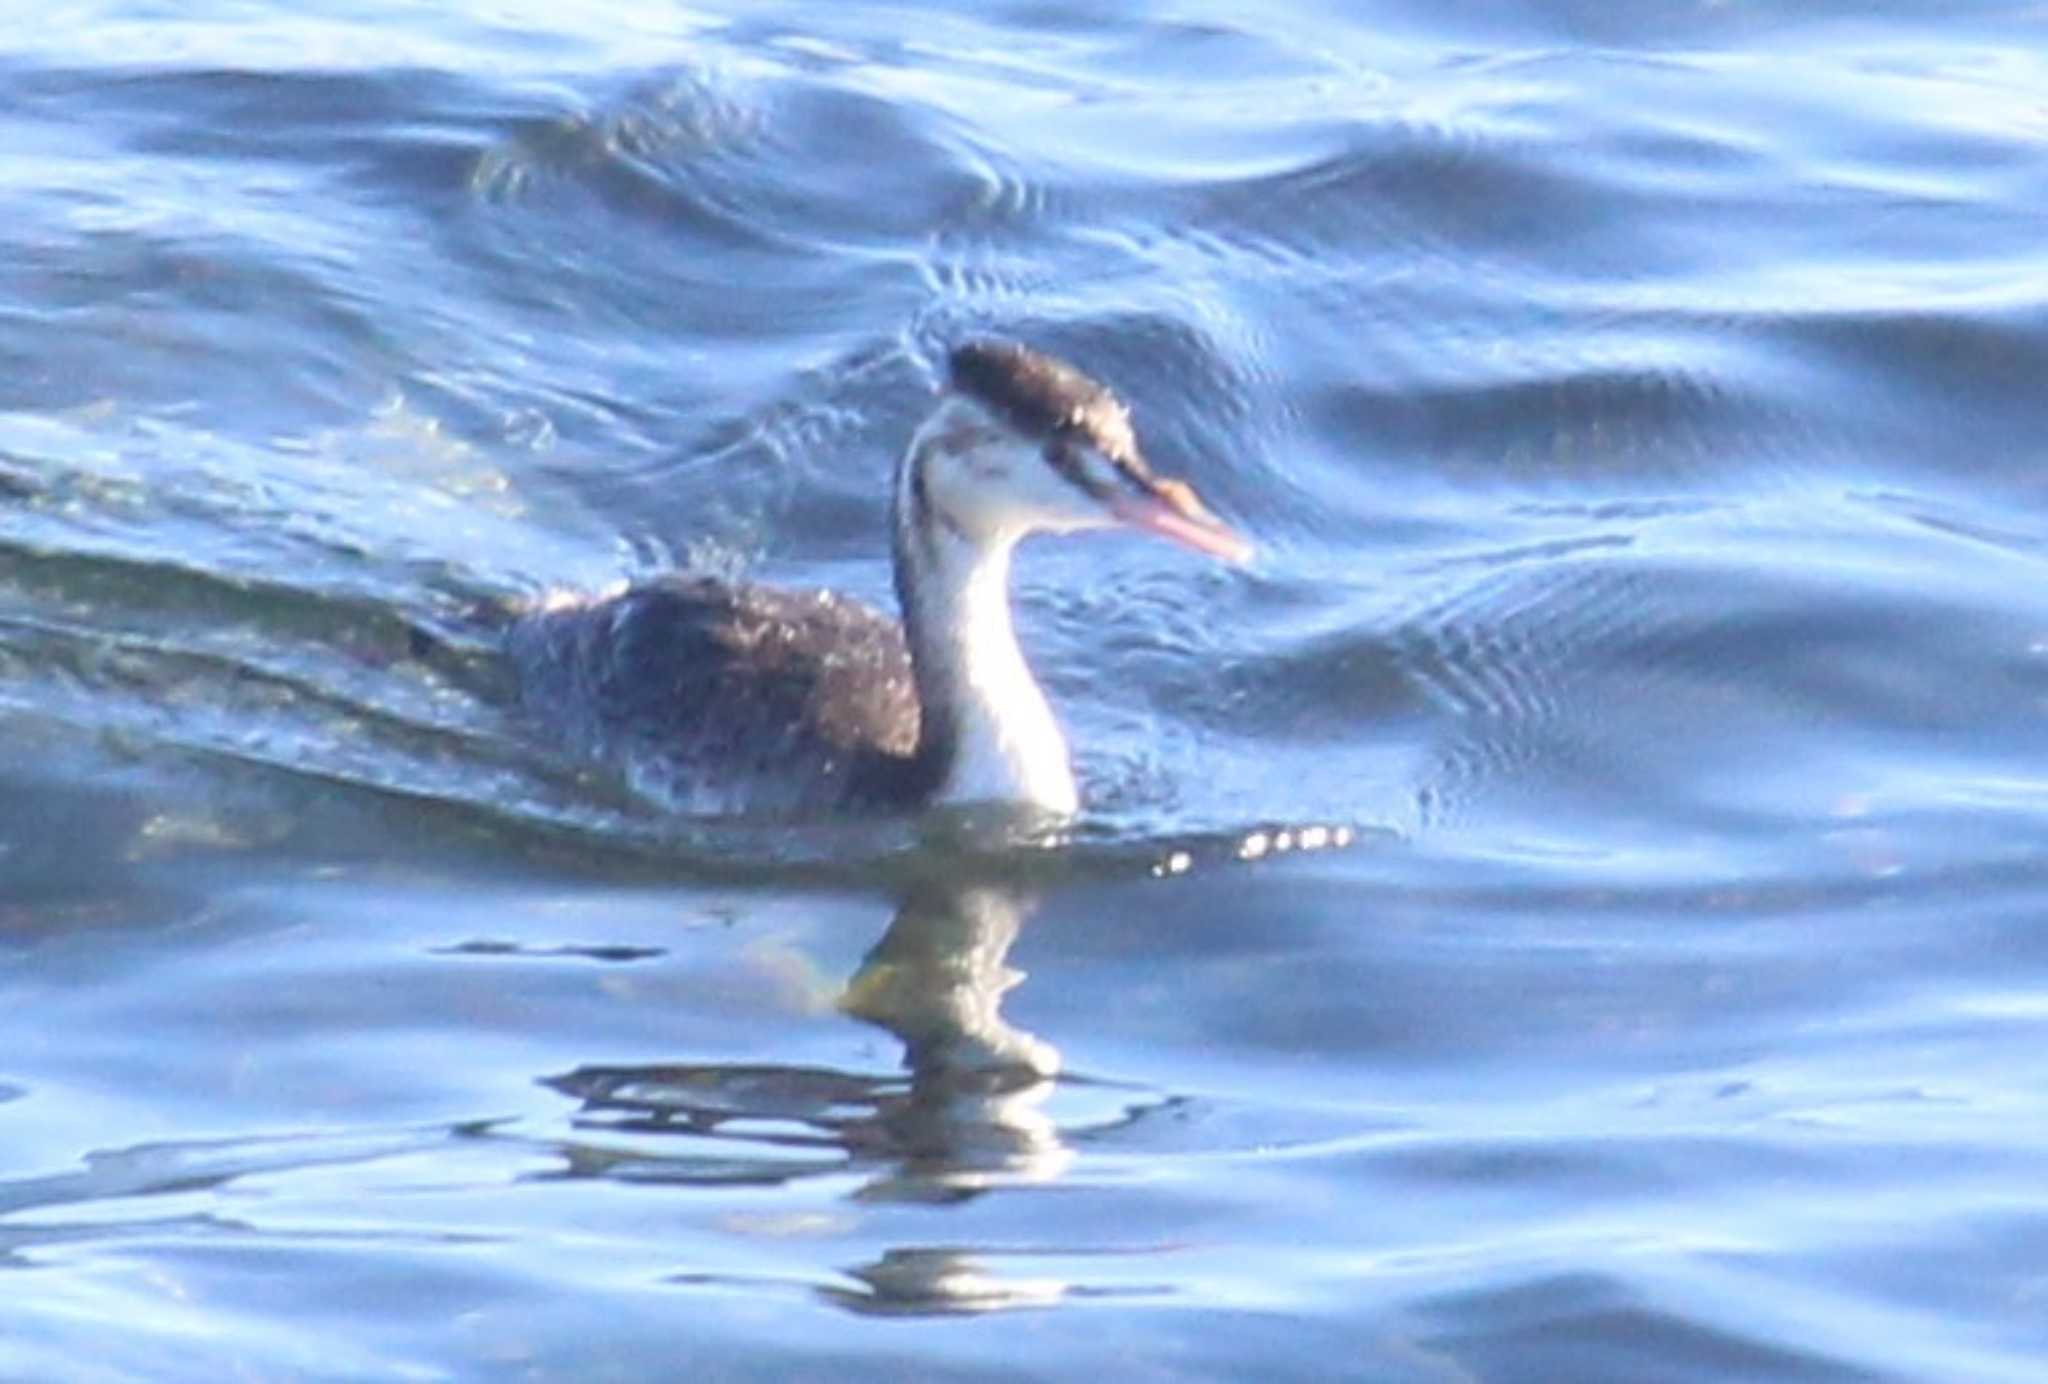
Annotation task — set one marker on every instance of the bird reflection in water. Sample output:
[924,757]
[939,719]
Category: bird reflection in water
[968,1115]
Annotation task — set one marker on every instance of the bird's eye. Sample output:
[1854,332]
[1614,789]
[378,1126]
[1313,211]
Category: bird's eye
[1069,455]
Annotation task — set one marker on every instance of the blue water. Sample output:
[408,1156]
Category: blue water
[1572,909]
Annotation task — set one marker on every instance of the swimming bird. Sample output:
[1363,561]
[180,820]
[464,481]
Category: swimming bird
[728,696]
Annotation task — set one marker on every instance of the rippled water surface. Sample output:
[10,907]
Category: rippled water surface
[1575,908]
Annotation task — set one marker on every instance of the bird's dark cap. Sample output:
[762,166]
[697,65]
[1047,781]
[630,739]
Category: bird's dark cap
[1044,396]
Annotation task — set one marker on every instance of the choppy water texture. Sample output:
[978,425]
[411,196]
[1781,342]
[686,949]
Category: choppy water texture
[1574,909]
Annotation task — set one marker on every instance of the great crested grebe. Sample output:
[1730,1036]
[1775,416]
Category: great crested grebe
[722,696]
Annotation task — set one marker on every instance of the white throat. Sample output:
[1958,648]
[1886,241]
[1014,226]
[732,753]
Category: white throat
[1007,746]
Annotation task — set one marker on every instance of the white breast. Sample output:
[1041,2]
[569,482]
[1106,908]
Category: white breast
[1021,757]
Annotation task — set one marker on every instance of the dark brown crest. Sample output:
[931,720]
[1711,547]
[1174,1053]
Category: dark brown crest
[1046,397]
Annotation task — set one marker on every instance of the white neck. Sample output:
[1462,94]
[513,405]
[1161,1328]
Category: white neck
[1006,745]
[986,723]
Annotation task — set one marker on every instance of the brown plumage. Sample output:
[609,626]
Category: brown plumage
[806,698]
